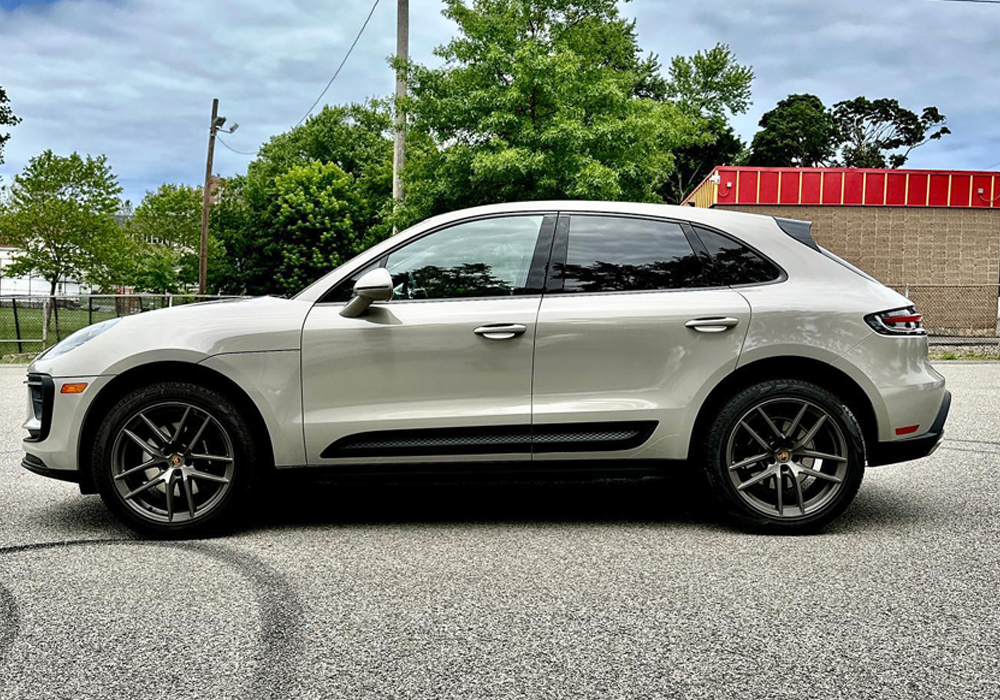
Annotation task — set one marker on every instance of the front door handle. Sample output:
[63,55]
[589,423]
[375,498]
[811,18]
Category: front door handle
[504,331]
[712,325]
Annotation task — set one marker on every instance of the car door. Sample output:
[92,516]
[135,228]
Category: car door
[442,372]
[630,333]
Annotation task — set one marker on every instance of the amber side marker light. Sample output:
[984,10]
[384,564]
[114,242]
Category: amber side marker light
[73,388]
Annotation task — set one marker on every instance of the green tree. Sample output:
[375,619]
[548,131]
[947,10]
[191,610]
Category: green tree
[259,239]
[870,129]
[313,228]
[166,228]
[543,99]
[61,215]
[7,118]
[798,132]
[709,87]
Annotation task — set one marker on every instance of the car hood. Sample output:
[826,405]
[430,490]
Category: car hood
[188,333]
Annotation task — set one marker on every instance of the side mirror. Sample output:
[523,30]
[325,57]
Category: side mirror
[373,286]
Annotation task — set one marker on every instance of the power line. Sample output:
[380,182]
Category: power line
[346,56]
[978,2]
[242,153]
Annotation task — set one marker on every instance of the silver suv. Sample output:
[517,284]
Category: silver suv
[536,336]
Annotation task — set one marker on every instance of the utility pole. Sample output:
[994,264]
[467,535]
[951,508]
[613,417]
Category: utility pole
[203,259]
[399,141]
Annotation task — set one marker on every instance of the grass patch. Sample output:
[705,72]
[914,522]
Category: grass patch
[971,354]
[28,325]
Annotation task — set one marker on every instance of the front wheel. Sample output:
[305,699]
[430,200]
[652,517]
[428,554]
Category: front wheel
[175,459]
[784,456]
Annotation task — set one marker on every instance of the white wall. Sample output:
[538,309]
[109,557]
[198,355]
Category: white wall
[24,286]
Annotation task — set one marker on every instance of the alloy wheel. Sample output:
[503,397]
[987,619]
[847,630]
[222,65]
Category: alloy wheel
[787,457]
[172,462]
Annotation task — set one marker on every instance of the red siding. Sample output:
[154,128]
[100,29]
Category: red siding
[854,183]
[984,183]
[895,191]
[789,187]
[768,188]
[961,188]
[810,187]
[831,187]
[875,189]
[748,187]
[918,190]
[939,190]
[848,187]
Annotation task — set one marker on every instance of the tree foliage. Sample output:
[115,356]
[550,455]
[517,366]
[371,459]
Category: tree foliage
[798,132]
[710,87]
[869,130]
[334,168]
[166,232]
[545,99]
[7,118]
[61,216]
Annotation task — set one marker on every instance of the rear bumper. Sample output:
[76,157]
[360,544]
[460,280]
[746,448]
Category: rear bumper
[882,453]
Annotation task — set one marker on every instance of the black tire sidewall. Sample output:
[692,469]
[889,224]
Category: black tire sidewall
[224,515]
[717,436]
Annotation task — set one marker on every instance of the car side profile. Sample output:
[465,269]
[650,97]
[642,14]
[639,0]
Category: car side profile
[537,336]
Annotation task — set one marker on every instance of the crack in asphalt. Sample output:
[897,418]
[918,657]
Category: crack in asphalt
[279,610]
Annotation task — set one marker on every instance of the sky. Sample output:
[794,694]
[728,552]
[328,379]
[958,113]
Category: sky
[134,79]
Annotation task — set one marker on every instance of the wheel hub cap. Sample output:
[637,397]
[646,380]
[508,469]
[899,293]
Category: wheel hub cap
[172,462]
[787,457]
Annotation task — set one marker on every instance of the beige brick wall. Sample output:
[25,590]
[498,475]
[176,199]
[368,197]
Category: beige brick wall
[917,246]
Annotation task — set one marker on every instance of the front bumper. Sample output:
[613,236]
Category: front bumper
[36,466]
[882,453]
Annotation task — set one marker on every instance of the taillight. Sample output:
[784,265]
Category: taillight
[905,321]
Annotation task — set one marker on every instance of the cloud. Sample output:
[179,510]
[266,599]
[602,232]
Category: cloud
[134,78]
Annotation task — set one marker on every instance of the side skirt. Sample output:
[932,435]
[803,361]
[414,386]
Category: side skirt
[505,439]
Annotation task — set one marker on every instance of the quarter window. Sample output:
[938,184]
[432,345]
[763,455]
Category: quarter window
[616,254]
[733,263]
[483,258]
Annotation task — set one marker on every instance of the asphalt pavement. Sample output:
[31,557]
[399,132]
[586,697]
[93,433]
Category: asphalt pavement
[599,590]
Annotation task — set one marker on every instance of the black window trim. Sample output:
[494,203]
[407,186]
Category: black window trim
[560,249]
[537,269]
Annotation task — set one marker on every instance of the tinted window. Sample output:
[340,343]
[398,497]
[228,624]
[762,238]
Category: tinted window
[614,254]
[734,263]
[485,258]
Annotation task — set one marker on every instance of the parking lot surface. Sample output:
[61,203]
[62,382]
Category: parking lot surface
[519,590]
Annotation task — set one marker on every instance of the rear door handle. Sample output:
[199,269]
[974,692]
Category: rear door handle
[504,331]
[712,325]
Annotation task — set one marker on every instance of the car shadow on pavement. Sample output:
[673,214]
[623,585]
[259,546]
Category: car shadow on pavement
[680,499]
[676,500]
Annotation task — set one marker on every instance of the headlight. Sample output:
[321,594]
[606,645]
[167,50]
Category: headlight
[77,339]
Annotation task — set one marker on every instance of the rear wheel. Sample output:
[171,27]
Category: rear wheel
[784,456]
[175,459]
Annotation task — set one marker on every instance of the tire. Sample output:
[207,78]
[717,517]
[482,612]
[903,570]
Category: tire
[819,474]
[186,453]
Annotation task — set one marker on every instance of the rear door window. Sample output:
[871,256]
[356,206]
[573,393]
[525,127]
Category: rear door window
[620,254]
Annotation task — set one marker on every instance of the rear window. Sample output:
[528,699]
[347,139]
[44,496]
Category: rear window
[732,263]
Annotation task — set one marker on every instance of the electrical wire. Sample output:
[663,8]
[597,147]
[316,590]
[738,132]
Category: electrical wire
[242,153]
[346,56]
[977,2]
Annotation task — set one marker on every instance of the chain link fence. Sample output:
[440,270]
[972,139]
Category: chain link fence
[957,311]
[23,326]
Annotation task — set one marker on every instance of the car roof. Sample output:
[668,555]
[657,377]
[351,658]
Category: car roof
[710,217]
